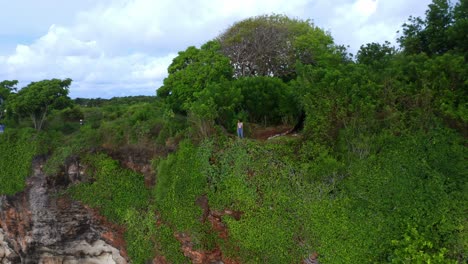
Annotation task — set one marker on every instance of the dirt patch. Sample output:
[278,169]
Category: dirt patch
[138,159]
[264,133]
[201,256]
[311,259]
[215,217]
[160,260]
[217,225]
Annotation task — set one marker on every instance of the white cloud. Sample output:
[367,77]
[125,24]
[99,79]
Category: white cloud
[365,8]
[59,54]
[363,21]
[356,13]
[123,47]
[166,24]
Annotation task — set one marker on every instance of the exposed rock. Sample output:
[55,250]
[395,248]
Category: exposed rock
[7,254]
[215,216]
[138,159]
[199,256]
[265,133]
[311,259]
[75,171]
[159,260]
[215,219]
[40,226]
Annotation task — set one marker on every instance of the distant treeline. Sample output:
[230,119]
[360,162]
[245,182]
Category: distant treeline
[98,102]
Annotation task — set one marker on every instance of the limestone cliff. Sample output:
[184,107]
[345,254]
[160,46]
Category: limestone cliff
[40,226]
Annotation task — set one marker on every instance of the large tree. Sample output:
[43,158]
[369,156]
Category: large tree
[270,45]
[458,33]
[6,88]
[443,29]
[191,72]
[375,54]
[38,98]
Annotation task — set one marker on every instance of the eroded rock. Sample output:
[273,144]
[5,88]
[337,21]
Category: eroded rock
[40,226]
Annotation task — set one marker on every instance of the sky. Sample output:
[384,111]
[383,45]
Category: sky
[116,48]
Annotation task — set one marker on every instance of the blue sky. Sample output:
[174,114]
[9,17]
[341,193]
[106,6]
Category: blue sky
[123,47]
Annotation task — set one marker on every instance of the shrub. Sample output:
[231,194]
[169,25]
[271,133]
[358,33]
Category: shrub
[17,150]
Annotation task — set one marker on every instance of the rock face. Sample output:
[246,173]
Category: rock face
[138,159]
[40,226]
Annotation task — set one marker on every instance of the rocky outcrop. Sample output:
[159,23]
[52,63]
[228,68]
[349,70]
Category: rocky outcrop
[40,226]
[138,159]
[214,217]
[7,254]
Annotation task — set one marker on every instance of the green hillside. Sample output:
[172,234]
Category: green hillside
[374,169]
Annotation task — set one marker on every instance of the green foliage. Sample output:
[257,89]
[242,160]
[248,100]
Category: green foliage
[72,114]
[376,55]
[113,189]
[140,235]
[439,18]
[377,175]
[118,193]
[67,121]
[167,245]
[318,163]
[122,197]
[55,163]
[374,162]
[404,185]
[142,124]
[349,211]
[219,102]
[334,98]
[6,89]
[459,30]
[257,181]
[413,248]
[192,71]
[243,177]
[229,186]
[181,180]
[131,124]
[441,31]
[38,98]
[17,149]
[270,45]
[125,100]
[267,100]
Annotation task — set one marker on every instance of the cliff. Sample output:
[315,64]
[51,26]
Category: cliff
[40,226]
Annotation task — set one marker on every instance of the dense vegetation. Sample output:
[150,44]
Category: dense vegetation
[17,150]
[376,174]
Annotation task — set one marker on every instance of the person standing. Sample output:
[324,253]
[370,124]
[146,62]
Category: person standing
[240,129]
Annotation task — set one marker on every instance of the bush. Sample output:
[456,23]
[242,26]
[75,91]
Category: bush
[17,150]
[122,197]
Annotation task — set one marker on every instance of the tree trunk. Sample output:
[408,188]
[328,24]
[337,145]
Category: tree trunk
[38,120]
[42,119]
[33,118]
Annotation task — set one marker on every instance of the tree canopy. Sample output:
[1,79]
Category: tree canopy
[375,54]
[38,98]
[444,28]
[190,72]
[270,45]
[6,89]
